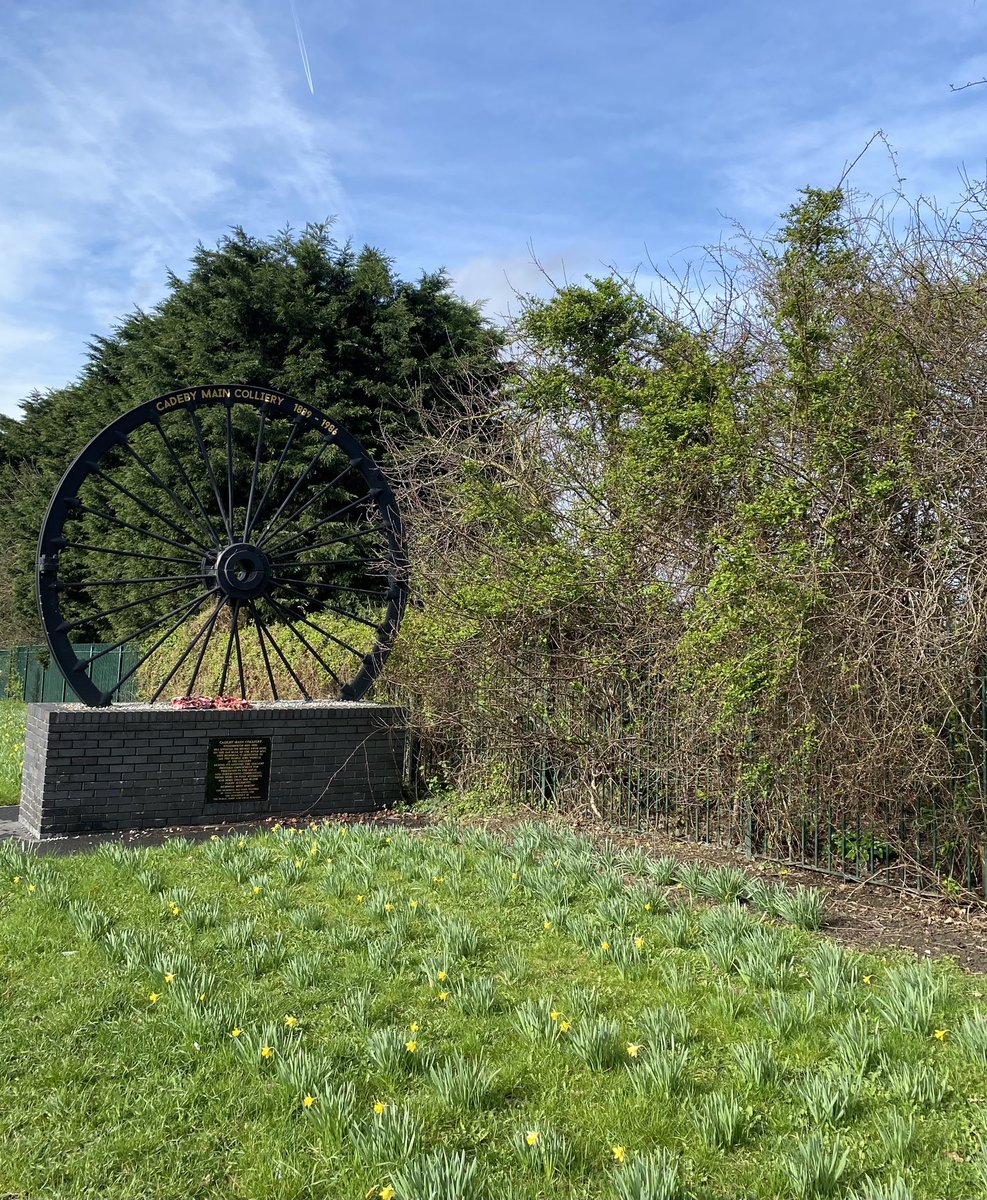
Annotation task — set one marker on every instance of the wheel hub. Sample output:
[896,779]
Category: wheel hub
[242,571]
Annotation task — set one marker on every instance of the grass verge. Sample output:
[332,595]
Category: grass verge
[352,1012]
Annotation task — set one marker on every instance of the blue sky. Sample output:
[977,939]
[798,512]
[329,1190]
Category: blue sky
[476,137]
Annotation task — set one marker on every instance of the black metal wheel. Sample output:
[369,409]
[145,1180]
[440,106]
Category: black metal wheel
[225,537]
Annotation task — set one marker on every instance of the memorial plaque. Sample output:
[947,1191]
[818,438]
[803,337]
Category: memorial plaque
[238,770]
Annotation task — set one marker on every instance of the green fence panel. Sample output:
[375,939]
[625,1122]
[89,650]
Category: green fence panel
[27,673]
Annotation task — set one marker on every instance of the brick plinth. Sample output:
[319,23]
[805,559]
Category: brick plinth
[141,766]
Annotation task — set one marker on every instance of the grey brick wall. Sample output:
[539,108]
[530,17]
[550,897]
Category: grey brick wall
[138,766]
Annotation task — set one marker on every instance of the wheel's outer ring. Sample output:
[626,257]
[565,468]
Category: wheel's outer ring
[51,540]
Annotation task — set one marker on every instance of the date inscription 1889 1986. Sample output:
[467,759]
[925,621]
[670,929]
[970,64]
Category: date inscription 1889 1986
[239,770]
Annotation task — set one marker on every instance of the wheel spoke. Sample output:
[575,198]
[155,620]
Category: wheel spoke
[193,490]
[286,613]
[239,654]
[169,491]
[229,464]
[129,553]
[274,478]
[286,521]
[235,607]
[323,607]
[161,640]
[253,477]
[227,524]
[344,537]
[69,586]
[109,517]
[147,508]
[188,650]
[67,626]
[202,649]
[186,607]
[335,587]
[288,667]
[326,443]
[327,520]
[263,648]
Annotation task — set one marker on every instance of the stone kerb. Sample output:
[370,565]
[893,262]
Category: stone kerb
[140,766]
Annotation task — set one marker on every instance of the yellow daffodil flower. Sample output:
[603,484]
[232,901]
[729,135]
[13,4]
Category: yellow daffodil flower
[387,1193]
[170,977]
[414,1027]
[291,1021]
[547,924]
[940,1034]
[308,1101]
[868,979]
[379,1107]
[257,889]
[267,1052]
[442,976]
[31,887]
[604,945]
[411,1046]
[639,943]
[234,1033]
[555,1014]
[618,1153]
[565,1026]
[532,1137]
[154,997]
[443,996]
[633,1049]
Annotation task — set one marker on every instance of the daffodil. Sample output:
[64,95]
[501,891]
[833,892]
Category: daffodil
[565,1026]
[546,924]
[31,887]
[17,879]
[379,1107]
[235,1033]
[308,1101]
[388,907]
[170,977]
[411,1046]
[299,863]
[387,1193]
[634,1049]
[154,997]
[257,889]
[618,1153]
[414,1027]
[412,903]
[442,976]
[555,1014]
[604,945]
[532,1137]
[940,1034]
[648,907]
[291,1021]
[868,979]
[443,996]
[639,943]
[359,899]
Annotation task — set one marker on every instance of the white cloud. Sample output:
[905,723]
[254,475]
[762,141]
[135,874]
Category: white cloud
[127,140]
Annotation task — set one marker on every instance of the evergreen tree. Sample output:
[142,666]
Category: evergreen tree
[297,313]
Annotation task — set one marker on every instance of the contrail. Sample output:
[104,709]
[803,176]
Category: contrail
[301,48]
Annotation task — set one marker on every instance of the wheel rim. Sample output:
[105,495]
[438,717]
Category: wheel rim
[226,518]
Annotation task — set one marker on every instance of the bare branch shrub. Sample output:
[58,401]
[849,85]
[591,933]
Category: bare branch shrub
[719,558]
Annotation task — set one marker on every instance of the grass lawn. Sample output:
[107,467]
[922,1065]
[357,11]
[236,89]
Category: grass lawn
[13,716]
[447,1015]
